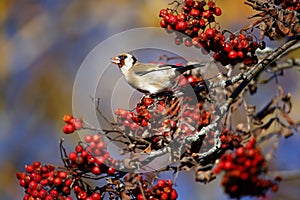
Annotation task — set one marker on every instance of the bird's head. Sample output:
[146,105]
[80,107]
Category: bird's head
[125,61]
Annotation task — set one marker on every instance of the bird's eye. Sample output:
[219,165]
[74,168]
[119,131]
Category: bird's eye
[123,57]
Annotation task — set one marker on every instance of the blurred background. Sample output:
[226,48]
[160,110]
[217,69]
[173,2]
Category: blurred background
[43,43]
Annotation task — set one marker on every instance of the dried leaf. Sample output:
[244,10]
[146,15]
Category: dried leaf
[288,119]
[283,30]
[286,132]
[148,149]
[266,110]
[262,129]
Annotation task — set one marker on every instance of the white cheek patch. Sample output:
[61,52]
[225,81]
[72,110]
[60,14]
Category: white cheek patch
[127,64]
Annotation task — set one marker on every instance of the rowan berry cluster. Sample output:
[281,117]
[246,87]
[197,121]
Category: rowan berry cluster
[140,118]
[72,124]
[165,115]
[89,160]
[229,139]
[163,190]
[195,21]
[45,182]
[244,172]
[94,158]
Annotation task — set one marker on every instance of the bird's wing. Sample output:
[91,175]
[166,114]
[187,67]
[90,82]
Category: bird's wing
[142,69]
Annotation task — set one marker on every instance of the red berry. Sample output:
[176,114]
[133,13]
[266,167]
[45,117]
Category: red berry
[232,54]
[53,193]
[84,154]
[101,145]
[194,12]
[78,124]
[144,123]
[111,170]
[73,156]
[173,195]
[211,4]
[206,14]
[96,138]
[169,182]
[42,194]
[36,164]
[140,197]
[100,160]
[62,174]
[210,33]
[218,11]
[240,54]
[164,196]
[96,196]
[163,12]
[242,37]
[68,182]
[68,128]
[189,2]
[191,79]
[240,151]
[202,23]
[181,26]
[82,195]
[181,17]
[172,19]
[161,183]
[88,138]
[228,165]
[79,148]
[227,47]
[49,197]
[23,183]
[148,101]
[57,181]
[163,23]
[67,118]
[96,170]
[29,168]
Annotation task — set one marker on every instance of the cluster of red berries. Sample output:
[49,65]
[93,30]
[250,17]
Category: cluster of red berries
[72,124]
[140,118]
[229,140]
[195,22]
[157,117]
[197,117]
[289,4]
[239,48]
[45,182]
[82,194]
[244,169]
[193,18]
[163,190]
[93,158]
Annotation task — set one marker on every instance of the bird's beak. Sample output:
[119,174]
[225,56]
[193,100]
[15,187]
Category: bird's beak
[115,60]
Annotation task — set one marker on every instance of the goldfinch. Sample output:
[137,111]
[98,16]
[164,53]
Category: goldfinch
[149,78]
